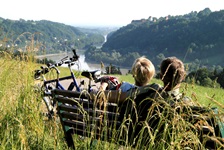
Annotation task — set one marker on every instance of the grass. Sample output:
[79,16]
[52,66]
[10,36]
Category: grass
[21,120]
[213,97]
[22,125]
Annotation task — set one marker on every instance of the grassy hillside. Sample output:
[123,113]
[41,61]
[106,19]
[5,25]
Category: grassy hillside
[21,121]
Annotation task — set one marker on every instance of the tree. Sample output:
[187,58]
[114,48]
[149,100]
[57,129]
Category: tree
[206,82]
[220,79]
[130,57]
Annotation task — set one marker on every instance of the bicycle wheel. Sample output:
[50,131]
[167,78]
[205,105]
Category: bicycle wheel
[50,107]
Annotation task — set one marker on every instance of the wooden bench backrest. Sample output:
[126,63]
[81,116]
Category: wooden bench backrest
[79,115]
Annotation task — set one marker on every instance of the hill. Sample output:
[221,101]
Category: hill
[191,37]
[51,36]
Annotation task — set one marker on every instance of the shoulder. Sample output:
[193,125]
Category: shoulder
[148,91]
[125,86]
[176,96]
[154,87]
[187,100]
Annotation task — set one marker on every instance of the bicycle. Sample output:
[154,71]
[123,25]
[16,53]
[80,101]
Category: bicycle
[49,85]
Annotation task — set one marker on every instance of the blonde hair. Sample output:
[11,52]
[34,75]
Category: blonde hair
[143,71]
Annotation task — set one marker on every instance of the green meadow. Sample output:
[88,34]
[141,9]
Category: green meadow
[23,125]
[211,97]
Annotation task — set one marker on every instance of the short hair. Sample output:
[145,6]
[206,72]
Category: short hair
[172,71]
[143,71]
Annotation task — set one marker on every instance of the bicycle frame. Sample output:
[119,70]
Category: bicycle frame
[47,88]
[57,81]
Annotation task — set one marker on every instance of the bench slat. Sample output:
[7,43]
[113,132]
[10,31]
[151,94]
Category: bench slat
[68,93]
[74,102]
[84,102]
[78,117]
[87,118]
[89,130]
[91,111]
[82,96]
[78,127]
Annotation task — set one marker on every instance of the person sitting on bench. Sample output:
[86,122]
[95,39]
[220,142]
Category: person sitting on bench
[143,71]
[172,73]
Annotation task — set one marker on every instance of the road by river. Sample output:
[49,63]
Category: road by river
[83,65]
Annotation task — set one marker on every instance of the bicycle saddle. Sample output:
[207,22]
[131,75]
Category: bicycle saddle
[92,75]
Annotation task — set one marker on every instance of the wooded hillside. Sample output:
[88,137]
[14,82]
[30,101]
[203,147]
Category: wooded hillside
[194,37]
[52,36]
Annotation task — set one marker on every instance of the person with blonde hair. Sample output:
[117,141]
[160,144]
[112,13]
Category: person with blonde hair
[142,70]
[130,97]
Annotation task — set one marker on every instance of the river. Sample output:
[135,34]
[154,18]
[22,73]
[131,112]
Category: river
[81,65]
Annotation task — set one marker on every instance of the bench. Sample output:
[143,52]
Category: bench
[79,115]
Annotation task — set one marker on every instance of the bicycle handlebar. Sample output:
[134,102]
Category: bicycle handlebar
[38,73]
[75,56]
[66,60]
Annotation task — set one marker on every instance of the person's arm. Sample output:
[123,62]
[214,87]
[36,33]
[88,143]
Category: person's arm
[113,96]
[103,86]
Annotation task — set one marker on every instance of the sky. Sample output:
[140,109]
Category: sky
[101,12]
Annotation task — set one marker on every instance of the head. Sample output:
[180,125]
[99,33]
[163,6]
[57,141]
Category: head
[143,71]
[172,72]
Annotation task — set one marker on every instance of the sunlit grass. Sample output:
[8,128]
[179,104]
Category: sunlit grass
[23,125]
[21,121]
[203,95]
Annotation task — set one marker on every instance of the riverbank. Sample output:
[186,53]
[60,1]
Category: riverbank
[85,65]
[124,70]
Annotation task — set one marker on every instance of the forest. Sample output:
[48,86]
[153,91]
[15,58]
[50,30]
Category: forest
[196,37]
[48,36]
